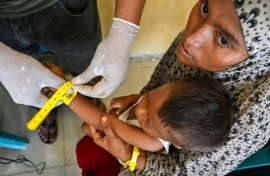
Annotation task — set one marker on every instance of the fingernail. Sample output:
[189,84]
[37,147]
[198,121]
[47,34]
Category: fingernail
[116,105]
[104,119]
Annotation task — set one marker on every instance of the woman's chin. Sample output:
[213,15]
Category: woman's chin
[181,58]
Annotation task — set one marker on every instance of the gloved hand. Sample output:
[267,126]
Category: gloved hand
[110,61]
[24,77]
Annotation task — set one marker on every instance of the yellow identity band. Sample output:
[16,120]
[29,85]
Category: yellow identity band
[68,97]
[61,95]
[132,163]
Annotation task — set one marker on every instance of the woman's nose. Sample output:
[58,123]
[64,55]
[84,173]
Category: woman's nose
[198,37]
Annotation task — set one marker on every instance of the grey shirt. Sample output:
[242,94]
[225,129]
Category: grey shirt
[20,8]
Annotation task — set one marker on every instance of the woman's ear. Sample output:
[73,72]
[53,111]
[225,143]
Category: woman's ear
[141,111]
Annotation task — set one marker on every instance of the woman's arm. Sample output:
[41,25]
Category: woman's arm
[91,114]
[130,10]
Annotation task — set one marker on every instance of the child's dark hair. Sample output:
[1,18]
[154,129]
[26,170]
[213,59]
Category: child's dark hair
[200,111]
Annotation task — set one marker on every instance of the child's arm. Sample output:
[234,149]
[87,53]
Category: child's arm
[91,114]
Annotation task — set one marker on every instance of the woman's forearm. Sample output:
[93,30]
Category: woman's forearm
[129,10]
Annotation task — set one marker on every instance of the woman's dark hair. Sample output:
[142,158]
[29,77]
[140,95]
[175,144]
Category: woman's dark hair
[199,110]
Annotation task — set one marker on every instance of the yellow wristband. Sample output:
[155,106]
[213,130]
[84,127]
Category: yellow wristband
[68,97]
[34,123]
[132,163]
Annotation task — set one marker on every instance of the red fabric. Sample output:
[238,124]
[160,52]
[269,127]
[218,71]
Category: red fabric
[94,160]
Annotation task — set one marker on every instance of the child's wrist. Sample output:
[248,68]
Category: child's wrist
[141,161]
[132,163]
[68,97]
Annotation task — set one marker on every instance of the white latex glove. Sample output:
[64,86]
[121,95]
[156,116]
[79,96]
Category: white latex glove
[24,77]
[110,61]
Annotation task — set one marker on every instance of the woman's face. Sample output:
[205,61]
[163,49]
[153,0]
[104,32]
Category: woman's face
[213,38]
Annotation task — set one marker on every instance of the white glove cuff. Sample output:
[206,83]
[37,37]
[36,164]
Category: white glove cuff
[127,27]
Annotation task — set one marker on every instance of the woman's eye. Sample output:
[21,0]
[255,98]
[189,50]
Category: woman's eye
[204,9]
[223,41]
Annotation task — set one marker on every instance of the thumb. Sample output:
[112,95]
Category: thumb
[106,126]
[84,77]
[54,82]
[101,90]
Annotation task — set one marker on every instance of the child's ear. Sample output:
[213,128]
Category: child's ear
[141,110]
[141,113]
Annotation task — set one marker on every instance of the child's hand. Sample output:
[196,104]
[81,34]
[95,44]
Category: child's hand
[55,69]
[123,103]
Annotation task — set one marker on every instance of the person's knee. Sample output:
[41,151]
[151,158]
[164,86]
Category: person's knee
[81,151]
[95,160]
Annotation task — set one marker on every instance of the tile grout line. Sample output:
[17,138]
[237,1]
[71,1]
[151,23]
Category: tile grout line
[64,146]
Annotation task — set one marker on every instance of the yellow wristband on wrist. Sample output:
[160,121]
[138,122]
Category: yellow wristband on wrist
[132,163]
[59,95]
[68,97]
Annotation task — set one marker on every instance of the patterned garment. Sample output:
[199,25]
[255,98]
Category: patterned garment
[249,85]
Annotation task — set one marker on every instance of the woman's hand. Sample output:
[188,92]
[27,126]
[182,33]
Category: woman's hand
[108,140]
[123,103]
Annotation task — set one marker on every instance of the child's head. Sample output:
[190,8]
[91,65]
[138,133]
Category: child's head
[192,113]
